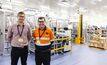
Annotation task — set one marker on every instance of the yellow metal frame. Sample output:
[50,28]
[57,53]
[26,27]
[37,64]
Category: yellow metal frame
[55,40]
[80,38]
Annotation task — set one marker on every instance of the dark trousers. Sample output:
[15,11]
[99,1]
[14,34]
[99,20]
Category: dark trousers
[17,53]
[42,57]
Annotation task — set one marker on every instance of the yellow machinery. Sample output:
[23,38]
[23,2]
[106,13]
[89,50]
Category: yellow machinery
[80,39]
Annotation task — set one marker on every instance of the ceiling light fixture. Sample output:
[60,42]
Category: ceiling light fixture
[64,4]
[45,7]
[99,0]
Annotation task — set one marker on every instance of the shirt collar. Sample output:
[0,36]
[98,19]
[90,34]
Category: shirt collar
[19,25]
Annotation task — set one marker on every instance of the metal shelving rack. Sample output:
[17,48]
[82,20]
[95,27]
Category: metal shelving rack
[99,37]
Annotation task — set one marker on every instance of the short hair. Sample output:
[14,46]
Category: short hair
[41,19]
[21,12]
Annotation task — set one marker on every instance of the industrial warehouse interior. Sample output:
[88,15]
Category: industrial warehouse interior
[79,27]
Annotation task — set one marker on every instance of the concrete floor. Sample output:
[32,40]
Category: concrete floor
[80,55]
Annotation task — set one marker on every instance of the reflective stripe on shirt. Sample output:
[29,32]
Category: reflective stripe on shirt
[42,38]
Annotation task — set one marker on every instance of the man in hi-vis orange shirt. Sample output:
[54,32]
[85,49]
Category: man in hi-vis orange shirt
[43,36]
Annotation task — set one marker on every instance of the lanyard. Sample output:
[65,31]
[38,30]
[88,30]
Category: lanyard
[42,33]
[20,33]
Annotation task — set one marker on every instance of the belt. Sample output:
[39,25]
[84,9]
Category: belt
[20,47]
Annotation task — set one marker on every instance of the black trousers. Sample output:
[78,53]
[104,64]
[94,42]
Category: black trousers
[42,57]
[17,53]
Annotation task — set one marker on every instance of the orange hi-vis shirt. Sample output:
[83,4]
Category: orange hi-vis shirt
[46,37]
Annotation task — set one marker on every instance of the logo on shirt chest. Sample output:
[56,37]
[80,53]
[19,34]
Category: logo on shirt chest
[46,33]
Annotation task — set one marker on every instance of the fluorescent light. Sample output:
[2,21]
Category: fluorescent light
[99,0]
[83,10]
[73,5]
[17,1]
[8,6]
[30,12]
[64,4]
[45,7]
[9,0]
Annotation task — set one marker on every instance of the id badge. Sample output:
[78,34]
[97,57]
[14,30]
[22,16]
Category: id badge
[38,41]
[20,40]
